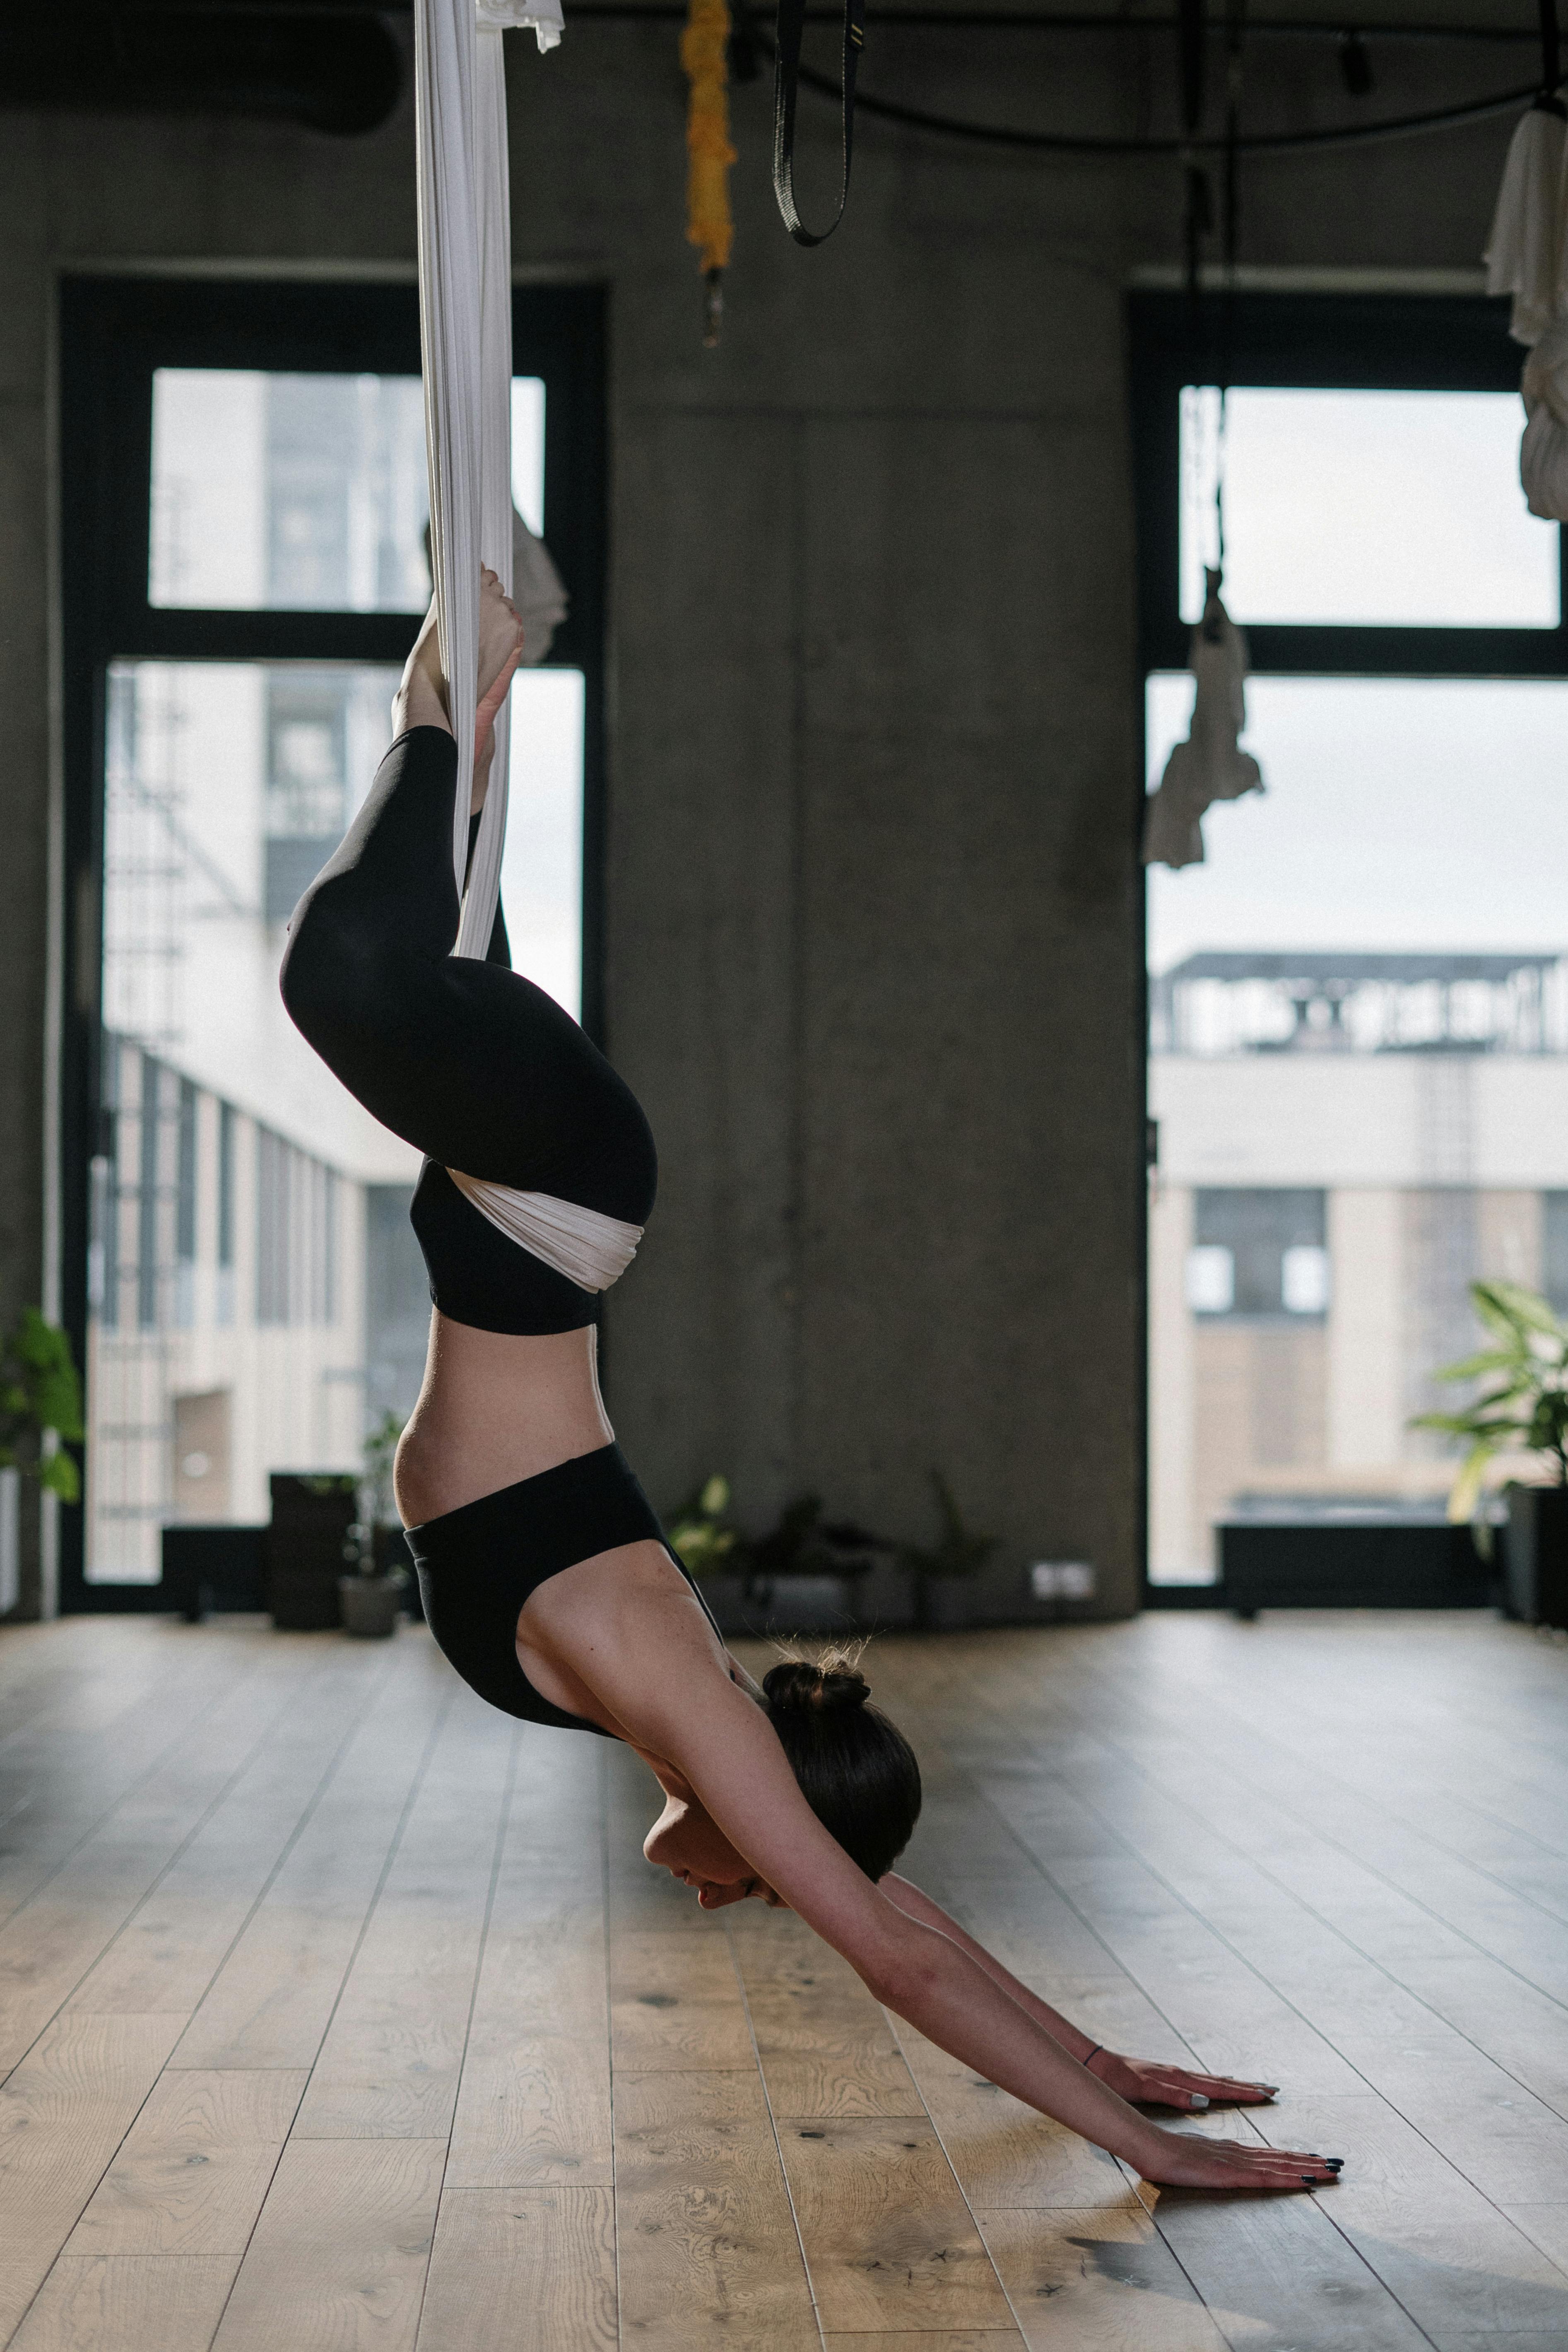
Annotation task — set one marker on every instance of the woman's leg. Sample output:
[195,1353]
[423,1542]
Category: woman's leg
[467,1061]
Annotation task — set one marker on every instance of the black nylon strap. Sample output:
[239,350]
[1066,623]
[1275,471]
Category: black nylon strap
[786,89]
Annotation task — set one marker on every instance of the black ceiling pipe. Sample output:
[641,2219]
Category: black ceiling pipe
[336,72]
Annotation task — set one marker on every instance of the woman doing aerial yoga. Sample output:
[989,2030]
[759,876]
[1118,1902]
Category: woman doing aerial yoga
[545,1576]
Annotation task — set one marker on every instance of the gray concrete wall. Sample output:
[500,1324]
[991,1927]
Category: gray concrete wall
[874,915]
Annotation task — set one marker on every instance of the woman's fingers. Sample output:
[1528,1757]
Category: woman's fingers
[1215,2090]
[1191,2162]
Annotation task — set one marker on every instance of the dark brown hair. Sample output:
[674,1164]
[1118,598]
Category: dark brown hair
[856,1769]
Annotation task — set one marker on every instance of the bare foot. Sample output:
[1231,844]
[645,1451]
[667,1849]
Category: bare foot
[421,697]
[1187,2160]
[500,650]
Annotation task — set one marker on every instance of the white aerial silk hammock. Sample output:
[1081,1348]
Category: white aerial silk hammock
[465,316]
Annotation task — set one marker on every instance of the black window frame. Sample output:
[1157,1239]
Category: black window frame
[1341,341]
[114,332]
[1361,343]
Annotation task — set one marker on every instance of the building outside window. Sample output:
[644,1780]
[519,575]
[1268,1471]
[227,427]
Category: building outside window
[255,1298]
[1359,1000]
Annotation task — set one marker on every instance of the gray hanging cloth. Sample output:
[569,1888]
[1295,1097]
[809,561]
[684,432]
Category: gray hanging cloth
[1210,765]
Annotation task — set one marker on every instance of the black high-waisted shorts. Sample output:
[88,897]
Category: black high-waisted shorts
[479,1564]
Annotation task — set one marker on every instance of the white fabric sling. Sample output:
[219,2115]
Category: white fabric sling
[465,316]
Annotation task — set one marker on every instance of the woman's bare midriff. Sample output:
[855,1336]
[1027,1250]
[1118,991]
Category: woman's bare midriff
[496,1407]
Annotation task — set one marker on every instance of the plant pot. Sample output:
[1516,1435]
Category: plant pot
[10,1538]
[371,1605]
[393,1558]
[783,1606]
[944,1604]
[1535,1555]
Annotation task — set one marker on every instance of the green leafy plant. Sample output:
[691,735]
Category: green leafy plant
[40,1404]
[701,1531]
[380,1452]
[1525,1410]
[957,1551]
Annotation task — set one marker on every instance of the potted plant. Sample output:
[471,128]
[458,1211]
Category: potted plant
[372,1597]
[944,1575]
[40,1415]
[1524,1409]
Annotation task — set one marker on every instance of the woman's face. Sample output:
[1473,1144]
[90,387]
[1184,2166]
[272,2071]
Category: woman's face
[685,1841]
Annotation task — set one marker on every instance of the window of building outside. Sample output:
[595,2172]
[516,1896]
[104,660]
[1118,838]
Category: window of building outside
[256,1298]
[1359,1001]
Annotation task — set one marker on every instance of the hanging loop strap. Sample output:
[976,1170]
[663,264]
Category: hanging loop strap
[787,89]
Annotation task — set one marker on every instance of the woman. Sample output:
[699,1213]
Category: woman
[545,1576]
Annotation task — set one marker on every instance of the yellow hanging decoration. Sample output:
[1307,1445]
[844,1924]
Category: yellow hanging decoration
[705,54]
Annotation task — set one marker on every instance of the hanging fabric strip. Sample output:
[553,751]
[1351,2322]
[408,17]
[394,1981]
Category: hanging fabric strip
[465,316]
[786,90]
[590,1250]
[445,66]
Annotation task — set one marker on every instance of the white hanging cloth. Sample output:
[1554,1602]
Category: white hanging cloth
[537,590]
[1210,765]
[1527,257]
[1525,254]
[1543,452]
[465,317]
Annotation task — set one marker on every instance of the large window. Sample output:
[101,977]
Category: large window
[245,568]
[1359,1001]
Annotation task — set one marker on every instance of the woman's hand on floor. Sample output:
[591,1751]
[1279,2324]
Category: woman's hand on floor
[1149,2082]
[1188,2160]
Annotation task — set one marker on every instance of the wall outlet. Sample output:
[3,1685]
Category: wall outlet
[1061,1579]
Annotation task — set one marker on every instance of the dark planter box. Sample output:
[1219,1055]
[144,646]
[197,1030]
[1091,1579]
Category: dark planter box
[782,1606]
[214,1568]
[308,1548]
[944,1604]
[392,1553]
[1535,1555]
[1349,1564]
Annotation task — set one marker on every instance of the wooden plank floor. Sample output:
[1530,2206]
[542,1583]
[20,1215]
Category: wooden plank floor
[336,2011]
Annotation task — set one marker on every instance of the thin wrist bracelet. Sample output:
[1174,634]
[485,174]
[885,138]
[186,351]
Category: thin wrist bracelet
[1093,2053]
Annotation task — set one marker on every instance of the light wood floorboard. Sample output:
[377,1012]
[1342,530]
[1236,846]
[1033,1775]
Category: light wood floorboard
[343,2012]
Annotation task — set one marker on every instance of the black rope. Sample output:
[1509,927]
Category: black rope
[1546,97]
[1270,142]
[1197,210]
[787,78]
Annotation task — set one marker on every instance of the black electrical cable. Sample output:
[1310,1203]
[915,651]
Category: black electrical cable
[1547,99]
[1268,142]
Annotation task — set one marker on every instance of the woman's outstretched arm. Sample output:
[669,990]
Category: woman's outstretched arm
[645,1655]
[1145,2079]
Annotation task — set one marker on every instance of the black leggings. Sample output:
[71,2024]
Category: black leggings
[467,1061]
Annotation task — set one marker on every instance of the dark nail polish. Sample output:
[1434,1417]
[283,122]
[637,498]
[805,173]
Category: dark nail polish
[1309,2181]
[1335,2163]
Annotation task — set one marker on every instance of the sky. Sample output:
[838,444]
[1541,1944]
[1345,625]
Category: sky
[1398,812]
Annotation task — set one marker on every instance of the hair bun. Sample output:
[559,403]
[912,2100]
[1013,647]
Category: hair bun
[799,1687]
